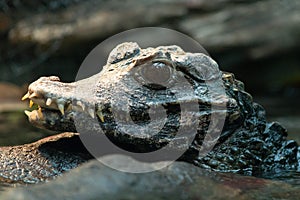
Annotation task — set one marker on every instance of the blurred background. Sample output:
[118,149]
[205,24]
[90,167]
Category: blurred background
[257,40]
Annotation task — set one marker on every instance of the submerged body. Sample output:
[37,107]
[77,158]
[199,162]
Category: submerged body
[143,97]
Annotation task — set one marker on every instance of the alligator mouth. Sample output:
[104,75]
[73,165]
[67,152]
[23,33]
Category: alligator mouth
[48,103]
[64,106]
[53,111]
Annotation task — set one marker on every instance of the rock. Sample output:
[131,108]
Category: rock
[262,28]
[37,42]
[93,19]
[177,181]
[257,37]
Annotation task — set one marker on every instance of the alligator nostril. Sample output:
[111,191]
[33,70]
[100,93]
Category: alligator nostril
[54,78]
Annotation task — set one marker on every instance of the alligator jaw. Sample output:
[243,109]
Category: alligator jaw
[56,104]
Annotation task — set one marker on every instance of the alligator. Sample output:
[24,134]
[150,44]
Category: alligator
[145,100]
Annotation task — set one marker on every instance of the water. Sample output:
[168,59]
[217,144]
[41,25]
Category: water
[15,129]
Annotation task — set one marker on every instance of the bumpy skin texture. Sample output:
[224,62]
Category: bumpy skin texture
[140,88]
[42,160]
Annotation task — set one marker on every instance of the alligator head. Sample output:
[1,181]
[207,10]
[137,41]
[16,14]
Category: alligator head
[143,98]
[150,93]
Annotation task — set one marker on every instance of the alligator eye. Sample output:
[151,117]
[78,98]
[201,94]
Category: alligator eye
[155,75]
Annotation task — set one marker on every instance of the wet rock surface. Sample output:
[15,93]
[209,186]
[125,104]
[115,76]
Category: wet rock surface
[177,181]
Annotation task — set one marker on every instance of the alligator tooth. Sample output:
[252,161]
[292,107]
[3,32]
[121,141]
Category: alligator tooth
[91,112]
[48,102]
[39,112]
[79,103]
[32,95]
[27,112]
[25,96]
[35,115]
[100,115]
[69,107]
[31,103]
[61,108]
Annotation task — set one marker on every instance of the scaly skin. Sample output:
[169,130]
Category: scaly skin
[42,160]
[140,88]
